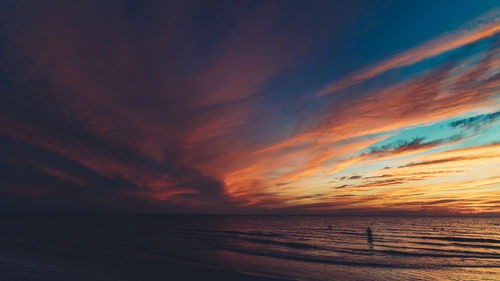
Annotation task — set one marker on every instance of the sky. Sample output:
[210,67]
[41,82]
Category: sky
[268,107]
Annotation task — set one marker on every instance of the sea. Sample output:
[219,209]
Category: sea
[203,247]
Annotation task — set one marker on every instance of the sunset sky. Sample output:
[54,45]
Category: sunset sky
[327,107]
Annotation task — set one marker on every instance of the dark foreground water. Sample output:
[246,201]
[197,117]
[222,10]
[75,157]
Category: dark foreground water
[188,247]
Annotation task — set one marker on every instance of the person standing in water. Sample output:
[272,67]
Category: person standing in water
[369,235]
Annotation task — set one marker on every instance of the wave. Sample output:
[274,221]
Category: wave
[326,260]
[294,245]
[444,250]
[443,253]
[449,253]
[251,237]
[250,233]
[459,239]
[477,246]
[402,253]
[352,251]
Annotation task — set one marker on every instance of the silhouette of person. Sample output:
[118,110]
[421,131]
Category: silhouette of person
[330,227]
[369,235]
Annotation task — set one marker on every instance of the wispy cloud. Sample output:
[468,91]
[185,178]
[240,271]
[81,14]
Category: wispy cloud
[486,26]
[427,177]
[178,111]
[454,89]
[476,122]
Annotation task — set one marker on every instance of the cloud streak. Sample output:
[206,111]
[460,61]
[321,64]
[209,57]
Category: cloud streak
[486,26]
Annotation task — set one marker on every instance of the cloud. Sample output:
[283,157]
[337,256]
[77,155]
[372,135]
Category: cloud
[485,26]
[455,87]
[153,109]
[395,149]
[476,122]
[439,161]
[64,176]
[339,186]
[160,105]
[96,108]
[416,144]
[453,181]
[419,144]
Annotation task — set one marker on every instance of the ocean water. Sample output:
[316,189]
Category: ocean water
[120,247]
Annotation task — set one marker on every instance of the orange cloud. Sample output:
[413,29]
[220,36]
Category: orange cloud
[166,121]
[466,178]
[304,157]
